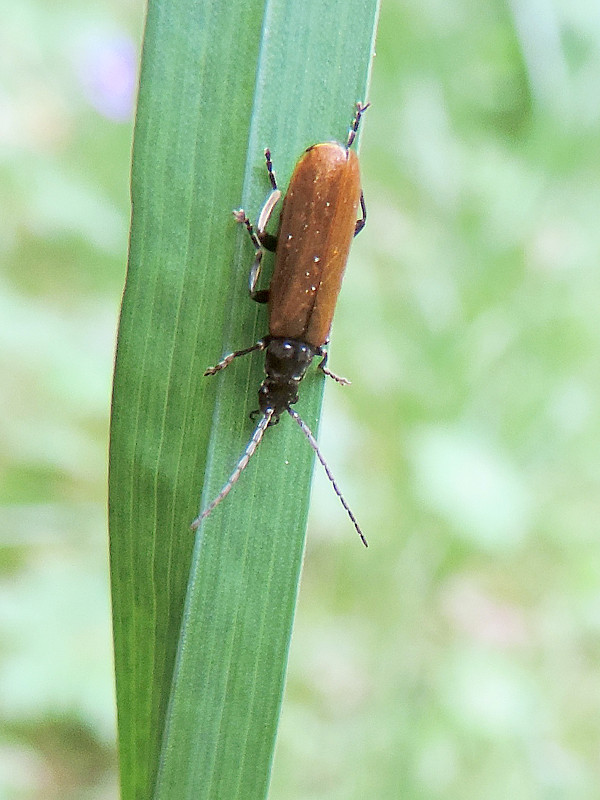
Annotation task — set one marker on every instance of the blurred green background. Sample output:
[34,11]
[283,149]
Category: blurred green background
[459,657]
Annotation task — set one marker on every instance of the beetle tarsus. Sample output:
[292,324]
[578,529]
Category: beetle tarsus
[241,217]
[360,110]
[270,169]
[338,378]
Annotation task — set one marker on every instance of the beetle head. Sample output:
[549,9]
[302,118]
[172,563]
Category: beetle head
[286,363]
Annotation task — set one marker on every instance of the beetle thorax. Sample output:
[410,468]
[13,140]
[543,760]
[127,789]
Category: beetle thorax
[286,363]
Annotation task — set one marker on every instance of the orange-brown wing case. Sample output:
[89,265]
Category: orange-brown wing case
[317,226]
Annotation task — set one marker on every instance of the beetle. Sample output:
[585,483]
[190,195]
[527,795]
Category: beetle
[317,224]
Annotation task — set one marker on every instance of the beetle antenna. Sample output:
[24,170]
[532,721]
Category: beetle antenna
[313,443]
[241,466]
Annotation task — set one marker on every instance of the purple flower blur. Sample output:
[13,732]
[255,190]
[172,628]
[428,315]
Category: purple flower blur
[108,76]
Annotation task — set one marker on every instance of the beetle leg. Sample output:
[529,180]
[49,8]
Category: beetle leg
[241,217]
[225,362]
[260,295]
[360,110]
[268,241]
[261,239]
[360,223]
[323,368]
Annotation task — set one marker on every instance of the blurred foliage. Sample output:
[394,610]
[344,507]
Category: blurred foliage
[457,657]
[67,78]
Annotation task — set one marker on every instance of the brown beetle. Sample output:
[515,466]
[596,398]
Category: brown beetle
[318,223]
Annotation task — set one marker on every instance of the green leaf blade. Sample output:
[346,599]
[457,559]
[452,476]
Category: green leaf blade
[214,92]
[154,473]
